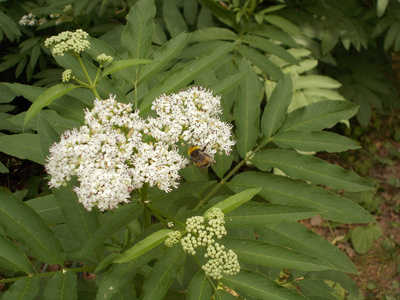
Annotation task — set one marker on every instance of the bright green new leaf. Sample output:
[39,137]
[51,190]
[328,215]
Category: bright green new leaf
[310,141]
[26,288]
[259,286]
[61,286]
[123,216]
[144,245]
[199,287]
[12,257]
[22,223]
[122,64]
[295,236]
[24,146]
[182,76]
[268,255]
[47,97]
[261,214]
[315,81]
[282,190]
[233,202]
[163,273]
[320,115]
[276,109]
[310,168]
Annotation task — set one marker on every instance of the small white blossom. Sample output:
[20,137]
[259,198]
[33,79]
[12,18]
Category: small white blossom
[31,20]
[174,237]
[104,58]
[68,41]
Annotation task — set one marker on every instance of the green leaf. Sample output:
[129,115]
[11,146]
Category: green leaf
[276,109]
[121,217]
[320,115]
[261,214]
[233,202]
[314,141]
[199,287]
[266,45]
[80,222]
[247,110]
[264,254]
[122,64]
[47,97]
[144,245]
[163,273]
[26,288]
[61,286]
[139,29]
[222,164]
[47,208]
[315,81]
[163,56]
[310,168]
[283,23]
[12,257]
[212,33]
[34,55]
[259,286]
[173,19]
[274,33]
[182,76]
[261,61]
[283,190]
[220,11]
[23,146]
[391,35]
[22,223]
[298,237]
[47,134]
[363,238]
[3,168]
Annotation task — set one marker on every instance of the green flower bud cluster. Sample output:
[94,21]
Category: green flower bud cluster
[104,58]
[66,75]
[68,41]
[221,262]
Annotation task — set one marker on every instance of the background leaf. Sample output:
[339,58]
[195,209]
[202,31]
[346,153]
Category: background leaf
[61,286]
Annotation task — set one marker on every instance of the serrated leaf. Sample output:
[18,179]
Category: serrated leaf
[261,214]
[122,216]
[163,56]
[293,235]
[264,254]
[12,257]
[282,190]
[266,45]
[26,288]
[233,202]
[48,96]
[315,81]
[199,287]
[310,168]
[24,146]
[144,245]
[139,30]
[259,286]
[22,223]
[119,65]
[247,110]
[261,61]
[320,115]
[184,75]
[314,141]
[61,286]
[276,109]
[163,273]
[81,222]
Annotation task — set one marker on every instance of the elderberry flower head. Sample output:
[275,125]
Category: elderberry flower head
[68,41]
[191,117]
[66,75]
[104,58]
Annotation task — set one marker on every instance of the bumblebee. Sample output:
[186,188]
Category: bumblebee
[199,158]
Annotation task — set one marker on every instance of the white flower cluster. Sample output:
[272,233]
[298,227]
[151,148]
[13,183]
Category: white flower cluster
[66,75]
[68,41]
[104,58]
[116,151]
[192,117]
[31,20]
[221,262]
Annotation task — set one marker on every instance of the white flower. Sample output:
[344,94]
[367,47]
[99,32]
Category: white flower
[68,41]
[192,117]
